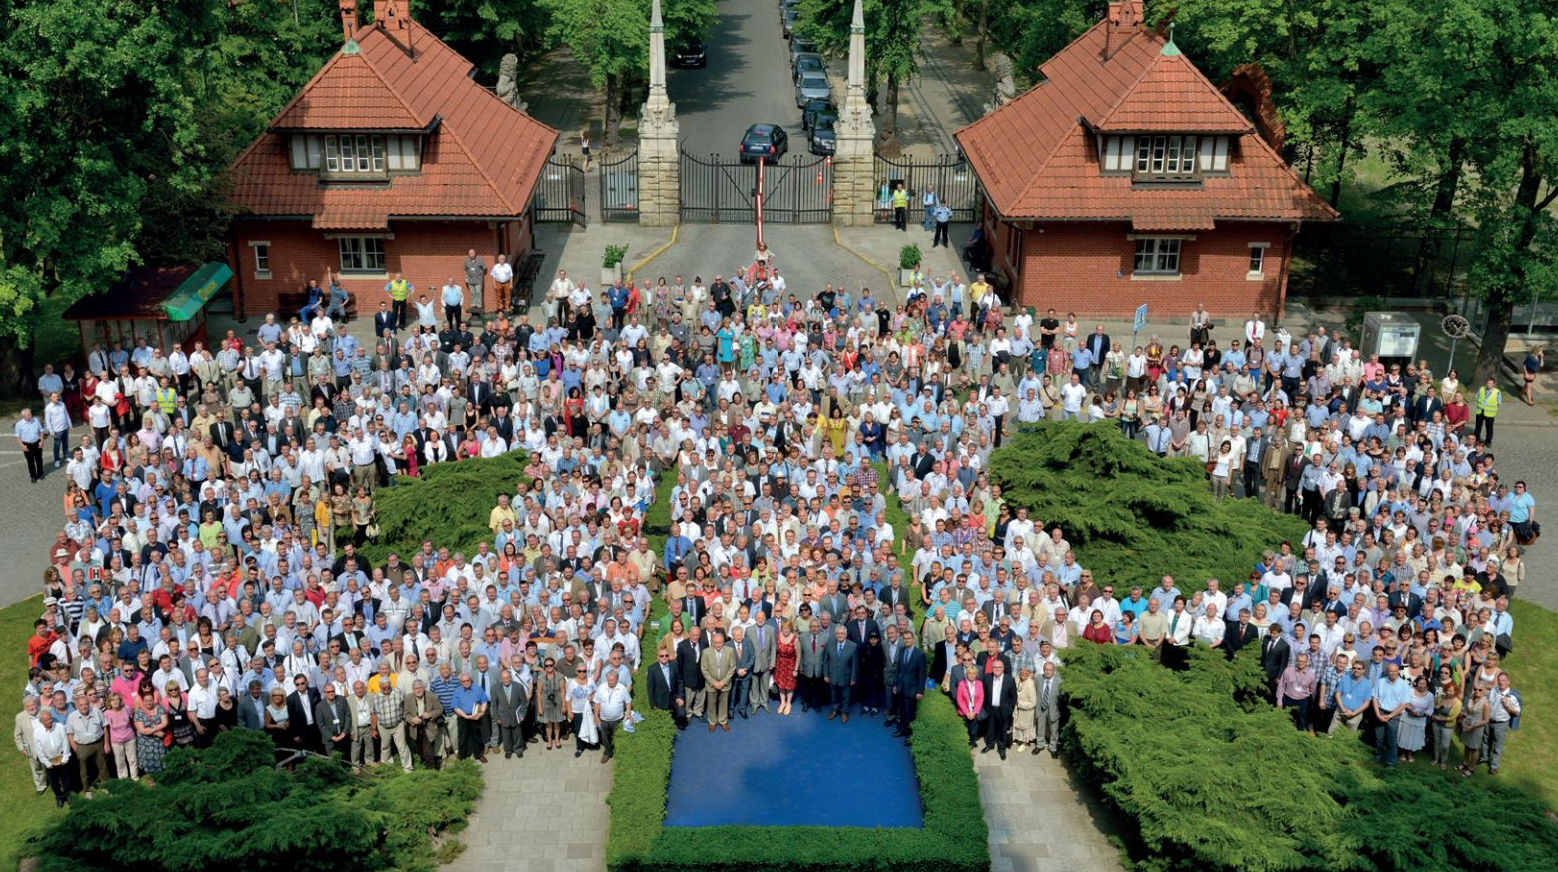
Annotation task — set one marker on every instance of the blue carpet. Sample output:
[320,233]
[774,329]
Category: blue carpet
[795,770]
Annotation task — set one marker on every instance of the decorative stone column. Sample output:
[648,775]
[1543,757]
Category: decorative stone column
[854,159]
[659,162]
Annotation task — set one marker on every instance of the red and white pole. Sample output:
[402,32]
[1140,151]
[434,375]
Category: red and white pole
[759,201]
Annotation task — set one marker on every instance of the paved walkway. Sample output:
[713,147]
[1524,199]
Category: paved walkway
[1037,820]
[519,808]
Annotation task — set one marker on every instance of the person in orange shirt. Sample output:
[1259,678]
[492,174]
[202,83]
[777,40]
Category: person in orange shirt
[40,641]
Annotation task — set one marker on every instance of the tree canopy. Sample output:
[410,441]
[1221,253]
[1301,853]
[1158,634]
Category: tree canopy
[1130,516]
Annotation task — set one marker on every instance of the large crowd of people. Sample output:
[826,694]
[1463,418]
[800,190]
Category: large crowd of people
[208,576]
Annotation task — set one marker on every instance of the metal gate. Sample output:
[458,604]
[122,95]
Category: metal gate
[619,188]
[559,192]
[950,175]
[796,190]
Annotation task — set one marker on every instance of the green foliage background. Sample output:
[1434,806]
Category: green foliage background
[227,808]
[449,503]
[954,838]
[1130,516]
[1215,778]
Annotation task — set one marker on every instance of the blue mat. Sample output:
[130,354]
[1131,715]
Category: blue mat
[794,770]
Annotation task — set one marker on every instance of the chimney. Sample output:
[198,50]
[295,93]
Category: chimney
[391,15]
[1124,21]
[348,19]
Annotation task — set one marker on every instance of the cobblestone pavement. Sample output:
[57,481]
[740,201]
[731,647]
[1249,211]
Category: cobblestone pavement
[519,823]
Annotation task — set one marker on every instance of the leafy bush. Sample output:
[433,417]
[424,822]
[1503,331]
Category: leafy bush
[454,499]
[225,807]
[954,837]
[1130,516]
[615,254]
[909,256]
[1213,785]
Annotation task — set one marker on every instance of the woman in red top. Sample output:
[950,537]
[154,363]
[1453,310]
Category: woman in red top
[1098,631]
[1456,414]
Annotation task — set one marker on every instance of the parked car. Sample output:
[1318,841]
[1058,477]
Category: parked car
[812,86]
[813,108]
[691,54]
[822,139]
[800,45]
[764,140]
[809,62]
[788,19]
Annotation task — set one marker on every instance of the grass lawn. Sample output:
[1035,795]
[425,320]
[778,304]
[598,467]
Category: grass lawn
[1531,757]
[25,810]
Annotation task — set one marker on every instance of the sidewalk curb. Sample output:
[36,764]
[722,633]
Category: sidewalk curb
[886,273]
[675,230]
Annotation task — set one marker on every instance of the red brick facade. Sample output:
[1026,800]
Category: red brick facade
[1088,269]
[428,253]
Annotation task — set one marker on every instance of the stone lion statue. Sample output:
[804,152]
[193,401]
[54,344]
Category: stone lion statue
[508,82]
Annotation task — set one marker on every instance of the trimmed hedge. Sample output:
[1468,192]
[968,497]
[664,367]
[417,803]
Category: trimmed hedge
[453,499]
[225,807]
[1131,516]
[1216,779]
[954,837]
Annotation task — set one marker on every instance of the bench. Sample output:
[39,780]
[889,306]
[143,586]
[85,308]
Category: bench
[525,279]
[289,303]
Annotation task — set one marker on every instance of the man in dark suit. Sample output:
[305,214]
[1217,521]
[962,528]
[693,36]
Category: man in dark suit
[383,320]
[510,703]
[944,657]
[688,655]
[1274,655]
[1240,633]
[996,608]
[693,607]
[834,603]
[479,395]
[251,708]
[1097,346]
[1000,704]
[839,671]
[1046,712]
[908,687]
[665,688]
[1424,407]
[333,718]
[300,715]
[861,627]
[895,593]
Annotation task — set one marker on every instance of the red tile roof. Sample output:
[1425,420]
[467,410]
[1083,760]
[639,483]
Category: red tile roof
[1037,156]
[480,159]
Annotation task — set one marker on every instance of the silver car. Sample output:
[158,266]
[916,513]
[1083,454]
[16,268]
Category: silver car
[812,86]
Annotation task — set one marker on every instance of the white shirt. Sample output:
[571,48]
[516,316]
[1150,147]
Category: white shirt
[502,271]
[613,701]
[48,743]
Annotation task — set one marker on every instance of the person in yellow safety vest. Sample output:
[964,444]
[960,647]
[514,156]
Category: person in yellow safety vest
[399,290]
[167,396]
[901,207]
[1489,399]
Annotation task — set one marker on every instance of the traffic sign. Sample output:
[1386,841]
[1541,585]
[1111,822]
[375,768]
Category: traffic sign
[1141,317]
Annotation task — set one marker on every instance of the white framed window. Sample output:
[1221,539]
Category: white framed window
[307,151]
[362,254]
[353,154]
[1257,260]
[1214,154]
[1165,156]
[1157,255]
[261,259]
[1118,152]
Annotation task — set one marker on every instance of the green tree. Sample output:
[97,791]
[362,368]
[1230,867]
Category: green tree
[610,38]
[486,30]
[1032,31]
[98,110]
[893,49]
[1317,56]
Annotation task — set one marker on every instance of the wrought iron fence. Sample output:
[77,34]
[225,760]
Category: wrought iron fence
[951,177]
[619,188]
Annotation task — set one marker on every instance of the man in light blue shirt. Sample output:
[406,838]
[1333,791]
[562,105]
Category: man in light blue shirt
[29,435]
[1391,696]
[1354,695]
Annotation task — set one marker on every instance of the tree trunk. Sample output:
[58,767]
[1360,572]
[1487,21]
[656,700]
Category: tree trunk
[981,33]
[1341,153]
[1500,301]
[892,109]
[15,368]
[1444,201]
[610,133]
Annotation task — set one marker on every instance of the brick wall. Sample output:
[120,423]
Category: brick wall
[426,252]
[1086,268]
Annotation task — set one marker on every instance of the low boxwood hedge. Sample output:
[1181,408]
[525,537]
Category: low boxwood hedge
[954,837]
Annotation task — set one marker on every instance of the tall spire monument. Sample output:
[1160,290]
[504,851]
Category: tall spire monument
[854,187]
[659,164]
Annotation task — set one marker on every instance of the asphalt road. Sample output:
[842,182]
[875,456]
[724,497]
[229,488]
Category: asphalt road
[746,82]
